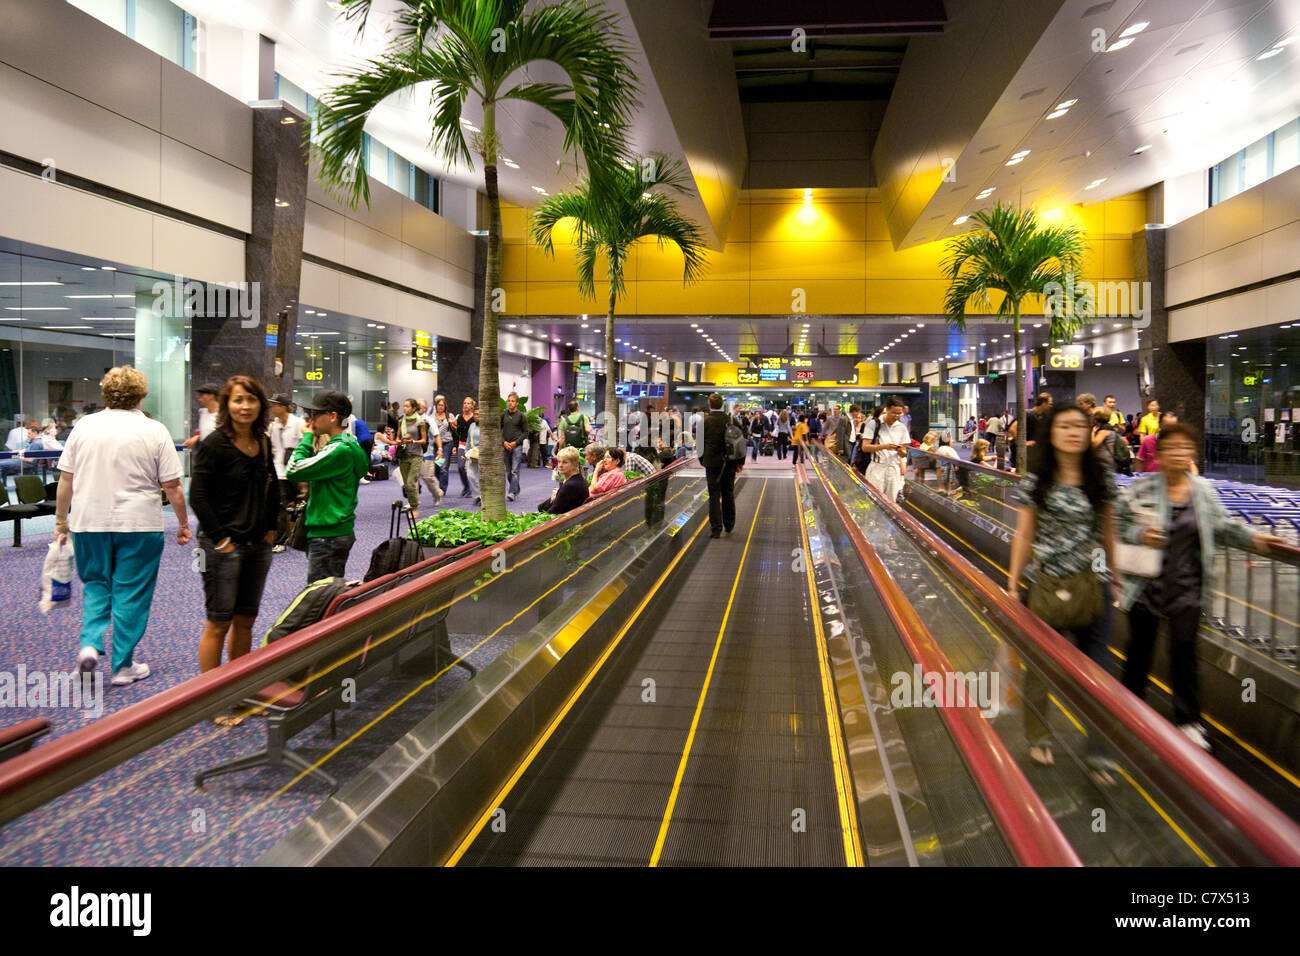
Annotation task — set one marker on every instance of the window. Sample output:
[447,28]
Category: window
[1263,159]
[161,26]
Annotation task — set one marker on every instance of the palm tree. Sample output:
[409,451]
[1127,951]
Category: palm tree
[1015,255]
[484,47]
[612,209]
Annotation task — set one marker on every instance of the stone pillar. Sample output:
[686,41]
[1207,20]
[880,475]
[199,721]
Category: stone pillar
[458,362]
[250,330]
[1172,373]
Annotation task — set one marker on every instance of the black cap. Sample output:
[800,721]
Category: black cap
[329,400]
[279,398]
[208,389]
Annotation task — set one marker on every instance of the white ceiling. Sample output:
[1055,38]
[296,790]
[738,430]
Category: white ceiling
[314,44]
[1190,85]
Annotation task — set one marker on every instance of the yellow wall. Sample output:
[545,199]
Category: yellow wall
[836,249]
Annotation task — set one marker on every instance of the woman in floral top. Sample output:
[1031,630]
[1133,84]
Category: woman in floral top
[1065,527]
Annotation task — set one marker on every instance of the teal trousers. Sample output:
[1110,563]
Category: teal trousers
[118,571]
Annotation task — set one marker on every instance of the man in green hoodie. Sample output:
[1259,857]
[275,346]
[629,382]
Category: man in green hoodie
[334,473]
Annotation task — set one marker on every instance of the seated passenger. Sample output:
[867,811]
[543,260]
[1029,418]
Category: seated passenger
[573,492]
[594,455]
[609,473]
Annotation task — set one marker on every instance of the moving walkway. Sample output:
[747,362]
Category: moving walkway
[826,686]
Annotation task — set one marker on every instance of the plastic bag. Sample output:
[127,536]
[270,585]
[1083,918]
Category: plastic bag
[56,576]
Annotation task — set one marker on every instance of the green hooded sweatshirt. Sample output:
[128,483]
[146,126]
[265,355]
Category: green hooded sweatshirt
[334,473]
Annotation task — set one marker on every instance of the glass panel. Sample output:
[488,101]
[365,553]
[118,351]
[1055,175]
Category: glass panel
[1139,832]
[401,175]
[160,26]
[1286,147]
[1254,168]
[496,621]
[378,161]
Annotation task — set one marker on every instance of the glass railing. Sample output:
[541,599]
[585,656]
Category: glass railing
[336,695]
[1102,789]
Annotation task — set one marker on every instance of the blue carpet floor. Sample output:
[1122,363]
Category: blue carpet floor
[147,811]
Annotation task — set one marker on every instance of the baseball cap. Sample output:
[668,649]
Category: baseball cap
[279,398]
[329,400]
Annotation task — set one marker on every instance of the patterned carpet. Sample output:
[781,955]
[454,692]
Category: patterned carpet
[147,811]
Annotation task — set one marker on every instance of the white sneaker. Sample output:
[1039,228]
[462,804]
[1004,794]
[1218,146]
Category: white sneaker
[365,481]
[87,660]
[510,497]
[278,549]
[129,675]
[1196,734]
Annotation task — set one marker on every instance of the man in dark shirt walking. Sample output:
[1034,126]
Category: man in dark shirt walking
[719,469]
[514,429]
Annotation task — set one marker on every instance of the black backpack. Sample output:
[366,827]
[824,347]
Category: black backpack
[307,608]
[396,553]
[575,432]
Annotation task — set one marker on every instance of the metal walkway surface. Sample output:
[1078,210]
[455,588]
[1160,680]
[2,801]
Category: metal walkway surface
[704,738]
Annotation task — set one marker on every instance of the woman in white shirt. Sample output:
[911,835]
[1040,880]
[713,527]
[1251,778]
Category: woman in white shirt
[113,464]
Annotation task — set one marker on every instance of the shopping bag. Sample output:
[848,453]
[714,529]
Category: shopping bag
[56,576]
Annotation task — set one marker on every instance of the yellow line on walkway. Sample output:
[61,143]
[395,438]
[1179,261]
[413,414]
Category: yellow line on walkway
[704,691]
[504,792]
[843,783]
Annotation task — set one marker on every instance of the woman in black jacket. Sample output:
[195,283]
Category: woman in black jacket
[573,492]
[235,494]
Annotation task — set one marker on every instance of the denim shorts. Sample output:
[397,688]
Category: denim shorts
[233,583]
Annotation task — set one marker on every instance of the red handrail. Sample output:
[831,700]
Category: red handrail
[1024,820]
[1272,832]
[45,772]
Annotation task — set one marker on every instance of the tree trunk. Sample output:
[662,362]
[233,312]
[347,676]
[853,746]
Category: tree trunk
[611,402]
[492,467]
[1020,390]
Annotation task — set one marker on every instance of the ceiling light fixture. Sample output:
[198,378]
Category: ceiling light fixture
[1141,149]
[1119,45]
[1095,183]
[1057,114]
[1135,29]
[1269,53]
[960,220]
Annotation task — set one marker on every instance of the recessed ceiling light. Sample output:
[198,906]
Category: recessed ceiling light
[1014,162]
[1141,149]
[1021,154]
[1134,29]
[1095,183]
[986,193]
[109,268]
[539,189]
[1065,104]
[1269,53]
[1057,114]
[1119,45]
[510,162]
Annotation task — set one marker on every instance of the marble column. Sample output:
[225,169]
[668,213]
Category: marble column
[1171,372]
[250,329]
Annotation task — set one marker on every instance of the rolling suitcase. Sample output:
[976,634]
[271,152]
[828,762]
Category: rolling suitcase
[396,552]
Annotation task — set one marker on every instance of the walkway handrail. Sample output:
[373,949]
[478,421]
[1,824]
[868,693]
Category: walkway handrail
[43,773]
[1287,553]
[1270,832]
[1024,820]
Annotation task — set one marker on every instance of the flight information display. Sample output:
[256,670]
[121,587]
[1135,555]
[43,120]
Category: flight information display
[640,389]
[800,369]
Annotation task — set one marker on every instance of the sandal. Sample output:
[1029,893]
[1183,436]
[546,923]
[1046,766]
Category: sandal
[1041,754]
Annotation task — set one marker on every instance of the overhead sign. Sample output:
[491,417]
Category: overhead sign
[1068,357]
[421,352]
[967,380]
[802,368]
[423,365]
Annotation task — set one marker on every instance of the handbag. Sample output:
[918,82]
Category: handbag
[1067,603]
[472,454]
[1137,560]
[298,528]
